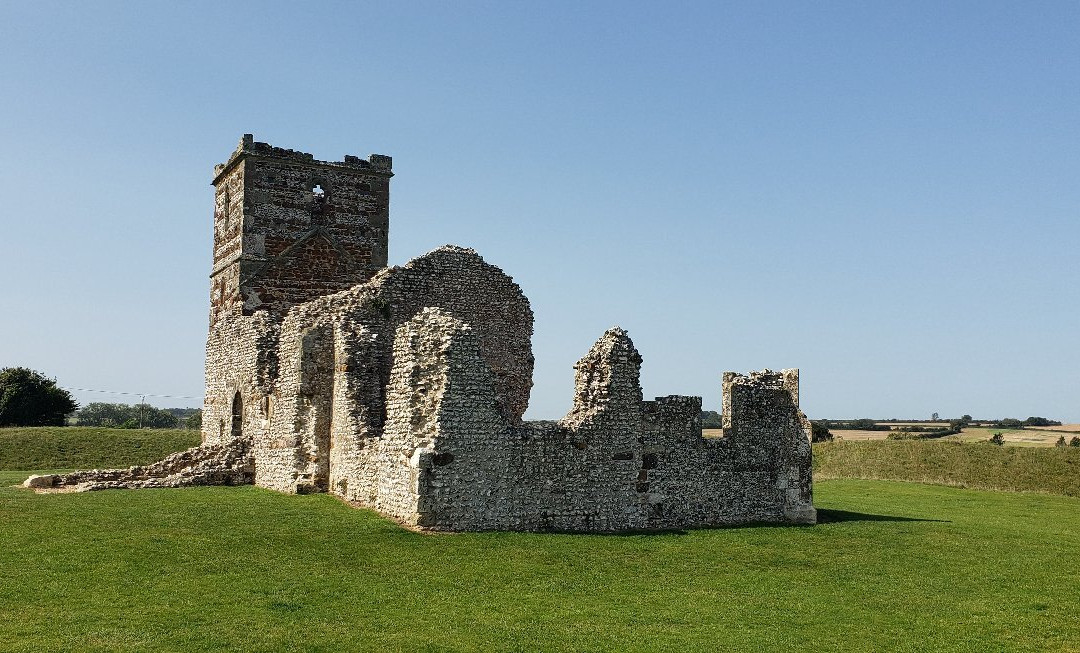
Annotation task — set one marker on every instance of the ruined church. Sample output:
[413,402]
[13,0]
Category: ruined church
[402,389]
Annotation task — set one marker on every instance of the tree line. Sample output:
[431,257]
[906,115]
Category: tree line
[29,398]
[135,416]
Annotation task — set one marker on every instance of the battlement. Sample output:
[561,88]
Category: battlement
[376,164]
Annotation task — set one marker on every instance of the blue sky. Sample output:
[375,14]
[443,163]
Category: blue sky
[884,195]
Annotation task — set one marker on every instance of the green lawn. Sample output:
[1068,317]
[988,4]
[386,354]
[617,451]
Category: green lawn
[892,566]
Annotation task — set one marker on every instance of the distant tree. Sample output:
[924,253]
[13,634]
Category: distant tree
[1010,423]
[1075,442]
[934,417]
[966,419]
[155,418]
[29,398]
[710,419]
[819,431]
[1060,442]
[1040,421]
[193,421]
[125,416]
[997,438]
[99,413]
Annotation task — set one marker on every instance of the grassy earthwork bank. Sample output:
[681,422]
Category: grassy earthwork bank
[82,447]
[891,566]
[1053,470]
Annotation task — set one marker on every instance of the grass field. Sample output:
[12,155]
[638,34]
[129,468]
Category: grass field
[981,465]
[1019,438]
[891,566]
[85,447]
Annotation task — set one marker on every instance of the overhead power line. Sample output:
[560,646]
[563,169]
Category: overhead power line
[133,394]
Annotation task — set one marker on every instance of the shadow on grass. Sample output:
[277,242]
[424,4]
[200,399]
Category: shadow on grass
[826,516]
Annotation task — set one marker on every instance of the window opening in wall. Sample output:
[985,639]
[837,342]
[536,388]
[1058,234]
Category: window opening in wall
[318,191]
[226,200]
[237,416]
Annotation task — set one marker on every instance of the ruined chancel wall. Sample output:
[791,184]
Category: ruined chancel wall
[402,389]
[613,463]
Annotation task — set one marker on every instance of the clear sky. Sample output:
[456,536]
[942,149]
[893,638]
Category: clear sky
[885,195]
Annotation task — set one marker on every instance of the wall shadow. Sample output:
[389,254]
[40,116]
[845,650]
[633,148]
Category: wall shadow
[827,516]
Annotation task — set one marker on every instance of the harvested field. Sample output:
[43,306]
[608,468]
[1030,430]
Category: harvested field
[1018,438]
[1067,428]
[845,434]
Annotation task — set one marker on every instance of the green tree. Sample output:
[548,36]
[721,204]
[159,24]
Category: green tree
[710,419]
[997,438]
[1041,421]
[29,398]
[819,431]
[1075,442]
[1060,442]
[147,416]
[193,421]
[98,413]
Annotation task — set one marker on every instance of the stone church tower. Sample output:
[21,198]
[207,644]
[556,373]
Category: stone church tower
[288,228]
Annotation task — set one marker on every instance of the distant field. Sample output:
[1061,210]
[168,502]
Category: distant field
[853,434]
[1019,438]
[1028,437]
[1068,428]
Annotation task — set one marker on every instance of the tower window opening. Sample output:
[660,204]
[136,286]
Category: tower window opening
[318,191]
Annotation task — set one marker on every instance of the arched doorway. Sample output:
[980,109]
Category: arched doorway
[237,415]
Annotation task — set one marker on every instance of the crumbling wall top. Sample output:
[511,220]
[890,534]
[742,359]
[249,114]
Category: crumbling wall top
[376,164]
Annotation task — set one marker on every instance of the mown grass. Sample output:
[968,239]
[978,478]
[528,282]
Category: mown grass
[1054,470]
[80,447]
[891,566]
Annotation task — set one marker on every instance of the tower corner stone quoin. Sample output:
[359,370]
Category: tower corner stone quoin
[403,388]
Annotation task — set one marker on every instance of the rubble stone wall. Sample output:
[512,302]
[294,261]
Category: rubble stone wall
[614,463]
[357,347]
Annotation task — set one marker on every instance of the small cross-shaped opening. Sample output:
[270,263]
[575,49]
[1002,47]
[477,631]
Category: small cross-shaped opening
[318,191]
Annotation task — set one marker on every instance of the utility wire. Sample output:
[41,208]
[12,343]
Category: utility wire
[133,394]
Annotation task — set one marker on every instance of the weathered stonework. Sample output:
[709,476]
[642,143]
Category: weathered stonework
[402,389]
